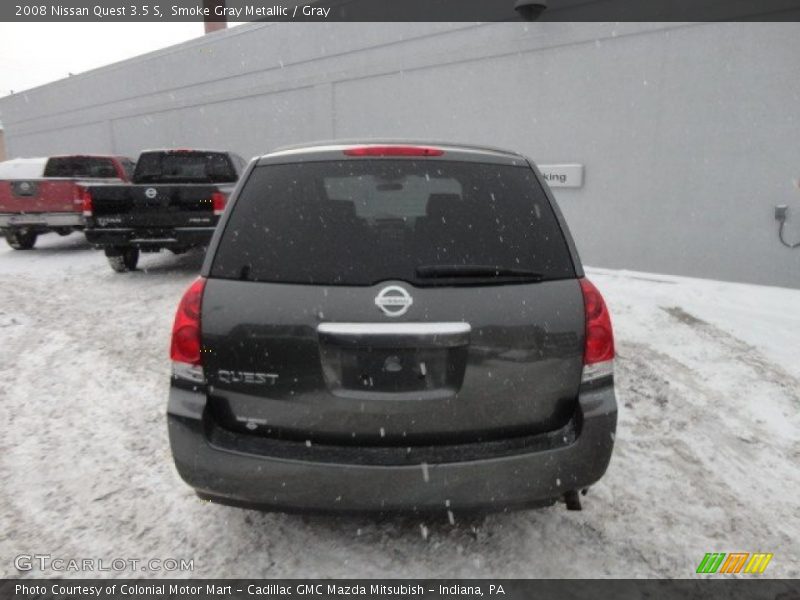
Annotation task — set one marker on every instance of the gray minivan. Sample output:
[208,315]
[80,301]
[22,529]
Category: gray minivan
[392,327]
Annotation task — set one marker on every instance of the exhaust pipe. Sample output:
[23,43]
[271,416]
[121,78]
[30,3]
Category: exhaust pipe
[573,499]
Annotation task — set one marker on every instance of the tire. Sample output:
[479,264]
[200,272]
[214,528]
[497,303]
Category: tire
[63,232]
[122,260]
[21,240]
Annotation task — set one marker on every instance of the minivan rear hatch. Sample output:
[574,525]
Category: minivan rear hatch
[393,301]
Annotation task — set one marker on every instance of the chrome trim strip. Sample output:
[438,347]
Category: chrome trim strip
[399,329]
[102,229]
[67,219]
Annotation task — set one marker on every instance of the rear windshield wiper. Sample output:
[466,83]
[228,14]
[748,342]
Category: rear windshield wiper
[476,271]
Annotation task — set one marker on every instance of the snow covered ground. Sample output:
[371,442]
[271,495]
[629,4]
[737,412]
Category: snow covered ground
[708,445]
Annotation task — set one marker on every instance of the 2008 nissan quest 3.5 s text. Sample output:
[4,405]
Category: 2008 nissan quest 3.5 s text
[392,327]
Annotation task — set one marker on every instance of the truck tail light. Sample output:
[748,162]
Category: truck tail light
[394,151]
[598,349]
[218,201]
[186,351]
[84,197]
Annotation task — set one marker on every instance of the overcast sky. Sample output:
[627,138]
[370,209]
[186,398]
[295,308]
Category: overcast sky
[32,54]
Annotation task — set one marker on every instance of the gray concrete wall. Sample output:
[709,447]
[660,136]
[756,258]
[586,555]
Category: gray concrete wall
[689,132]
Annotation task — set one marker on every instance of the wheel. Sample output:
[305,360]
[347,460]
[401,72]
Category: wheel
[63,232]
[122,260]
[21,240]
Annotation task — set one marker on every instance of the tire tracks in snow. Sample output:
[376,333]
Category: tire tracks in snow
[677,424]
[740,351]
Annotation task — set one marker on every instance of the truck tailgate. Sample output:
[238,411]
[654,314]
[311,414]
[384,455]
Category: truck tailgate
[153,206]
[39,196]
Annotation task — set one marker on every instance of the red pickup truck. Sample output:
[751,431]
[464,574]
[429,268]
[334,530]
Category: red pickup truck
[53,201]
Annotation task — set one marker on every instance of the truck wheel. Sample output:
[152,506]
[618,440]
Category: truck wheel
[122,260]
[21,240]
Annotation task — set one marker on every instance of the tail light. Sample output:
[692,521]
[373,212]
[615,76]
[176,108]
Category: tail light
[84,197]
[598,350]
[186,350]
[218,201]
[394,151]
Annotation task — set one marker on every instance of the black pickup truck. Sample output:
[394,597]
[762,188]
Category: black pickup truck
[174,203]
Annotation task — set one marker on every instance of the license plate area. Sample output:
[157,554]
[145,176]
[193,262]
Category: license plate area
[394,363]
[392,370]
[26,220]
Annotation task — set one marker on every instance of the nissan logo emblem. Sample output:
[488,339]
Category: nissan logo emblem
[151,193]
[394,301]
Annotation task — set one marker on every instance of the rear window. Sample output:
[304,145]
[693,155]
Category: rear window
[184,167]
[128,166]
[88,167]
[360,222]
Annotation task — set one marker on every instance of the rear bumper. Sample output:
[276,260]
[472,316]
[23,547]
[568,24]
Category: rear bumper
[234,475]
[176,237]
[41,221]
